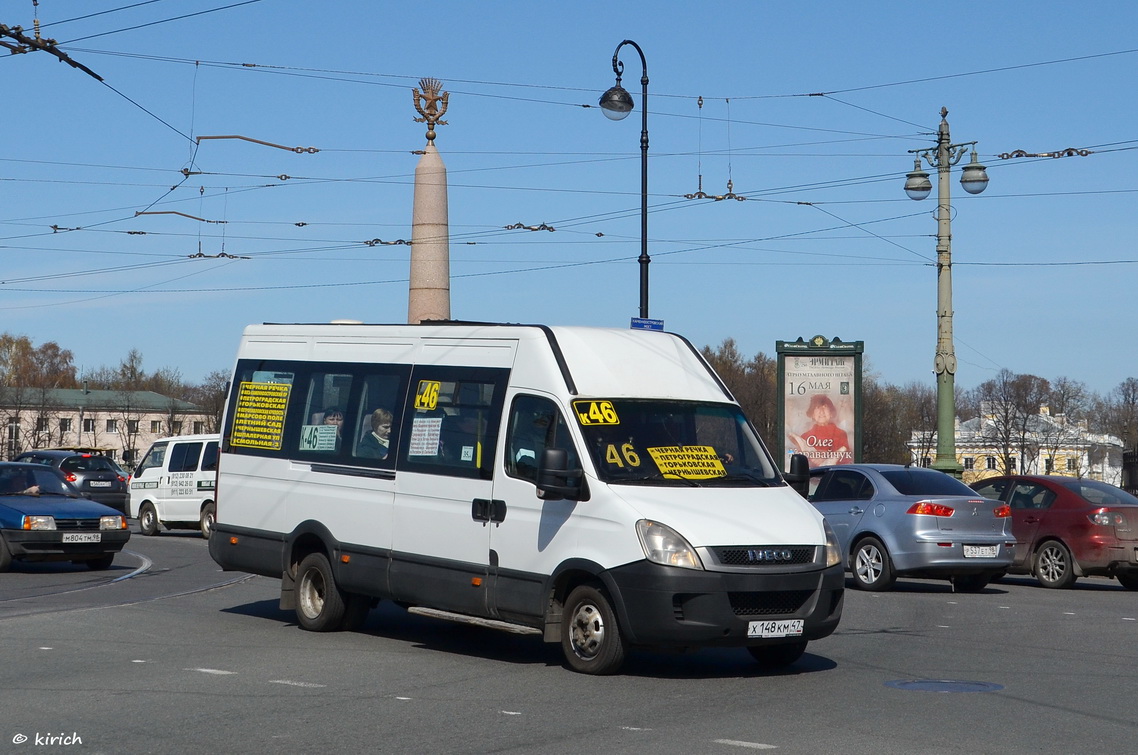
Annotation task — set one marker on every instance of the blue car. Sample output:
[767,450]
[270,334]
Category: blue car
[43,518]
[895,521]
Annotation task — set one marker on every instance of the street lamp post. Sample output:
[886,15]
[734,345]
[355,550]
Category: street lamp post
[974,179]
[616,104]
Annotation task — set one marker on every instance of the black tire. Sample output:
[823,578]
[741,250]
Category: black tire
[356,609]
[871,566]
[5,555]
[777,656]
[1053,566]
[148,520]
[971,582]
[207,518]
[319,603]
[102,563]
[1129,580]
[590,635]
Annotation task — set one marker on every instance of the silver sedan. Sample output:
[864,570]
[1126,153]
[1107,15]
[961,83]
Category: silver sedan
[895,521]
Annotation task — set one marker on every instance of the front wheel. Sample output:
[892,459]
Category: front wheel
[590,636]
[777,656]
[148,520]
[208,517]
[1053,566]
[872,567]
[5,555]
[319,602]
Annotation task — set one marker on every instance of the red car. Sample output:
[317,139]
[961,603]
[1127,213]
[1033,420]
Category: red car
[1067,527]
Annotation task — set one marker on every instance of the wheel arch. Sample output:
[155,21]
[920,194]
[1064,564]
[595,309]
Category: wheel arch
[566,577]
[306,538]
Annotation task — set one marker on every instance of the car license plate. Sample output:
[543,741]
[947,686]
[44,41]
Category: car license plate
[786,628]
[981,551]
[82,537]
[100,483]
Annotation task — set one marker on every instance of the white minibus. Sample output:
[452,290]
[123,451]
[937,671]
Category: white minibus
[600,488]
[173,485]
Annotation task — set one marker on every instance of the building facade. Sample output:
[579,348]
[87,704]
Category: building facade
[119,424]
[1044,443]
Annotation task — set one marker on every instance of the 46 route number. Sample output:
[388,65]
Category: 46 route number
[595,413]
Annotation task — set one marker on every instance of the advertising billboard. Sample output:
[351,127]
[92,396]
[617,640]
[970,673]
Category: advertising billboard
[820,405]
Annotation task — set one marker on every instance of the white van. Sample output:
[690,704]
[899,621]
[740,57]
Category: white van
[173,486]
[600,488]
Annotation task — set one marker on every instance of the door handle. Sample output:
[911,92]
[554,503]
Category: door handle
[856,510]
[487,510]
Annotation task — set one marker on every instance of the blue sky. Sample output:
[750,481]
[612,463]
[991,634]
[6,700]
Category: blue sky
[825,243]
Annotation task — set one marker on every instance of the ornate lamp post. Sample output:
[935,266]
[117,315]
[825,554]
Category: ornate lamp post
[616,104]
[974,179]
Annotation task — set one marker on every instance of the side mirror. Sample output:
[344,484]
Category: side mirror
[799,475]
[555,480]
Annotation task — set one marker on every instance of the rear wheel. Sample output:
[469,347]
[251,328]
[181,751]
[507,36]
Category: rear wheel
[102,563]
[590,636]
[1053,565]
[319,602]
[1129,580]
[872,567]
[148,520]
[208,517]
[777,656]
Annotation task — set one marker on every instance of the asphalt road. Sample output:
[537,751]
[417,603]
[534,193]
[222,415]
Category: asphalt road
[167,654]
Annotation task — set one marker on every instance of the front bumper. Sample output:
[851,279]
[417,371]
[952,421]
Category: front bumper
[48,545]
[672,607]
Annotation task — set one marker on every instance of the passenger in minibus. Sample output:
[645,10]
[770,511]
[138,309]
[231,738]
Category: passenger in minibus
[376,443]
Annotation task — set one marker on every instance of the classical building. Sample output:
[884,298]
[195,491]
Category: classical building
[119,424]
[1045,443]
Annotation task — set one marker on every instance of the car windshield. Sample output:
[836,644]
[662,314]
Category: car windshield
[673,443]
[915,481]
[32,480]
[1100,493]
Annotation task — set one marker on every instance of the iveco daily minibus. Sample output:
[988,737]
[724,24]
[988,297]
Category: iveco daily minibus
[600,488]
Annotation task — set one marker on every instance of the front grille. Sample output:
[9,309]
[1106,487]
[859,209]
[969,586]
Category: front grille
[768,603]
[759,555]
[76,524]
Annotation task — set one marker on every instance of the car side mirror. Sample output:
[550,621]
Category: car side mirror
[799,475]
[555,480]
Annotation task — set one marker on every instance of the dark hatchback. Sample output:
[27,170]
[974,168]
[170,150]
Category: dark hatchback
[43,518]
[94,476]
[1068,527]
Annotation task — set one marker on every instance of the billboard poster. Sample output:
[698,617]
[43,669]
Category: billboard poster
[820,382]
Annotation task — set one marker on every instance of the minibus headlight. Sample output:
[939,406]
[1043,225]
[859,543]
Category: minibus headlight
[833,547]
[663,545]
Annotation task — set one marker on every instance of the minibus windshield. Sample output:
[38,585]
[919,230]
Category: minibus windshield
[681,443]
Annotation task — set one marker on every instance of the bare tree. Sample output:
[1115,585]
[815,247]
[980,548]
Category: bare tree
[1009,402]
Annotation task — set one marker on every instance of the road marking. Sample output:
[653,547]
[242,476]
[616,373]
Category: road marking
[748,745]
[216,671]
[511,713]
[296,684]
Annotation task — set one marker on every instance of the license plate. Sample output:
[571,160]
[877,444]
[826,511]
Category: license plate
[100,483]
[981,551]
[786,628]
[82,537]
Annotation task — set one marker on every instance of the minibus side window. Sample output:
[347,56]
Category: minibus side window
[452,419]
[324,413]
[209,460]
[535,424]
[184,457]
[375,417]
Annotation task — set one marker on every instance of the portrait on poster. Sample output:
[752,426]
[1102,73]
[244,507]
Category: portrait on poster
[819,408]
